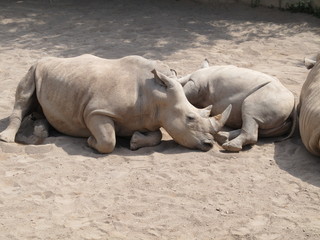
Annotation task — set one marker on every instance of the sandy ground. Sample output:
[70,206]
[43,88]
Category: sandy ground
[62,189]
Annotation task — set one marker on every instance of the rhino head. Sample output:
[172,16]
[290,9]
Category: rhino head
[186,124]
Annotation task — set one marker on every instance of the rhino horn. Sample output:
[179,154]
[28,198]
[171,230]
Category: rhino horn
[218,121]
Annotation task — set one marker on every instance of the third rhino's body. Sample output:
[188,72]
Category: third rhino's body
[309,109]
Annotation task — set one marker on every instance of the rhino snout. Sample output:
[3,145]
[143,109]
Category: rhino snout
[206,144]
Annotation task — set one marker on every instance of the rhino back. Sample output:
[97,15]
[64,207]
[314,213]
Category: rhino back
[224,85]
[72,88]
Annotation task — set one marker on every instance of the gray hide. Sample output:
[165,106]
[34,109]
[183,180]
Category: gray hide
[260,103]
[309,108]
[88,96]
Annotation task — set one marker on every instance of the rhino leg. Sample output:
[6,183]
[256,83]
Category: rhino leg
[250,111]
[41,128]
[9,134]
[103,137]
[248,135]
[25,100]
[147,139]
[223,136]
[33,130]
[255,110]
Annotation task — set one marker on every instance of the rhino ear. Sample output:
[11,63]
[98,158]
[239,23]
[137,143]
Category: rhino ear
[309,63]
[205,112]
[220,120]
[163,79]
[174,73]
[205,64]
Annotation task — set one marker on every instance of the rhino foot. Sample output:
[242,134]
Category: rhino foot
[221,137]
[148,139]
[232,146]
[7,136]
[137,141]
[134,145]
[41,128]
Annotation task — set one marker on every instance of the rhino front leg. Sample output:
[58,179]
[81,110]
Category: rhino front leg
[223,136]
[147,139]
[103,137]
[248,135]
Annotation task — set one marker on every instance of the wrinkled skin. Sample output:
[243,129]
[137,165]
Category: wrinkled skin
[260,103]
[309,107]
[88,96]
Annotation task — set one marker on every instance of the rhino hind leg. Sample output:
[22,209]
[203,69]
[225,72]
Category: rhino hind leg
[8,135]
[103,137]
[147,139]
[25,101]
[254,110]
[41,128]
[33,130]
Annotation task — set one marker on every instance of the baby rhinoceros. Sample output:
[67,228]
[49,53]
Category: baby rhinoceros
[309,108]
[98,98]
[261,105]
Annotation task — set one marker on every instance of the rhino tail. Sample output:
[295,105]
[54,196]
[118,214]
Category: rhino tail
[294,117]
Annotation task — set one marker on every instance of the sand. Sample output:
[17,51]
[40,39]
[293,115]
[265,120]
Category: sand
[62,189]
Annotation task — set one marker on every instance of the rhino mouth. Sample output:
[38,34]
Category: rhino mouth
[206,145]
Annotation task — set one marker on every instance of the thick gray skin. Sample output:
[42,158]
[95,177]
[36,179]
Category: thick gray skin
[309,108]
[260,103]
[87,96]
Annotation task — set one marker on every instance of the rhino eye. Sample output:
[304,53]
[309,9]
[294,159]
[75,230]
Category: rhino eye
[190,118]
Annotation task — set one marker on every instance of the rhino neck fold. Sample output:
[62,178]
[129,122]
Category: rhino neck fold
[161,115]
[150,116]
[196,94]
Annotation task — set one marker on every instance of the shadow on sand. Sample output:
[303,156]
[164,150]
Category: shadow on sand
[79,146]
[153,29]
[293,157]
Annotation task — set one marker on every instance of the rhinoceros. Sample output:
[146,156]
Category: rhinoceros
[309,108]
[88,96]
[260,103]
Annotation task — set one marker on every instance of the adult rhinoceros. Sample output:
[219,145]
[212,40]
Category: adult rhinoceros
[88,96]
[260,103]
[309,108]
